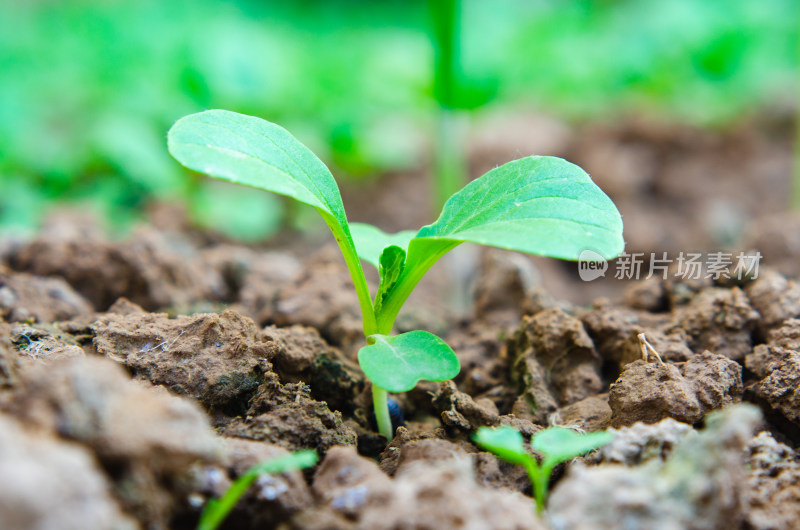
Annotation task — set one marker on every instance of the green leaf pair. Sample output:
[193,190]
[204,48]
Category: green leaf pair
[216,510]
[540,205]
[555,444]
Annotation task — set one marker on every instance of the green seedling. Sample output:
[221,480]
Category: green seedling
[555,444]
[541,205]
[216,510]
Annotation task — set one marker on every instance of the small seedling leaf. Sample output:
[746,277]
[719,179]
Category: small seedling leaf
[291,462]
[559,444]
[216,510]
[506,442]
[398,363]
[371,241]
[392,261]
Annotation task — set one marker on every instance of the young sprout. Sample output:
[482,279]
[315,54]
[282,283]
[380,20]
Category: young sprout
[216,510]
[540,205]
[555,444]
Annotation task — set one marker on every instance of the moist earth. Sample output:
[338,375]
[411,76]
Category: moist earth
[148,415]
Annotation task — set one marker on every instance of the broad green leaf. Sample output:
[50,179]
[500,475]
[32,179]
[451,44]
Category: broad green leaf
[254,152]
[559,444]
[398,363]
[371,240]
[541,205]
[393,259]
[506,442]
[216,510]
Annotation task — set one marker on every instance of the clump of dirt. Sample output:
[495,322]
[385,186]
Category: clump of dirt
[357,489]
[145,440]
[720,320]
[47,483]
[218,359]
[459,411]
[776,298]
[615,333]
[701,484]
[322,297]
[300,354]
[590,414]
[504,283]
[41,343]
[10,363]
[554,363]
[772,495]
[27,298]
[224,362]
[485,364]
[641,442]
[285,414]
[649,392]
[776,235]
[153,268]
[253,278]
[777,367]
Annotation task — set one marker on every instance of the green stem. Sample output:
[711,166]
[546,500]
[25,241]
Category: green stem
[538,481]
[369,320]
[345,242]
[381,405]
[542,483]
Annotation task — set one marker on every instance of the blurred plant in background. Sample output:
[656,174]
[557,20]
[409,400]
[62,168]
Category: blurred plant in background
[89,88]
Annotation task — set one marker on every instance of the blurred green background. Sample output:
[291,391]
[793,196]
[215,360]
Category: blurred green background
[88,89]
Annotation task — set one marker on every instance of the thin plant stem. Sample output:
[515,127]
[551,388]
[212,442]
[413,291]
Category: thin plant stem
[538,481]
[380,402]
[543,483]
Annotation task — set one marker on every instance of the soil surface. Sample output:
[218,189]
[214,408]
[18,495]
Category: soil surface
[139,378]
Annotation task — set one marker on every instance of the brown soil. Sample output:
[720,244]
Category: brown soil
[138,378]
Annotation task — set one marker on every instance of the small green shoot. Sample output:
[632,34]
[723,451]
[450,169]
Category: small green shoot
[216,510]
[541,205]
[555,444]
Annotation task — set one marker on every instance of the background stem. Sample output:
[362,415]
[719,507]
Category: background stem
[449,173]
[450,166]
[795,195]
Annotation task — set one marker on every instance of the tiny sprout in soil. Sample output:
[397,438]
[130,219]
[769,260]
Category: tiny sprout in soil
[555,444]
[540,205]
[216,510]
